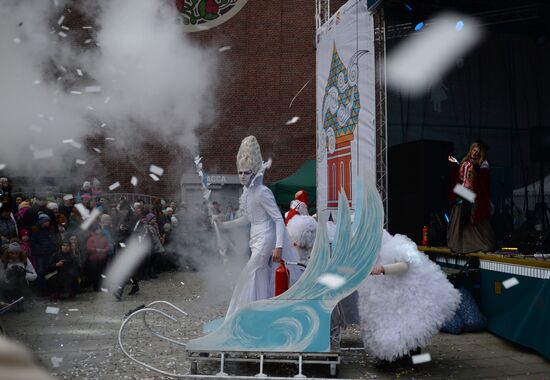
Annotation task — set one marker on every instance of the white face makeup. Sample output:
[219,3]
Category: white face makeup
[245,176]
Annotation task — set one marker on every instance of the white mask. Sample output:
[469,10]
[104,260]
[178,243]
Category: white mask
[245,176]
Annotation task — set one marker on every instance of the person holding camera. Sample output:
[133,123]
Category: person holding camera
[67,266]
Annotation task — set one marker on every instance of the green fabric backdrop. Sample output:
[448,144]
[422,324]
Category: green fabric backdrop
[304,178]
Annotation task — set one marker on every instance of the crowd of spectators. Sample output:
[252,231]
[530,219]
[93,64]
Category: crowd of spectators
[44,248]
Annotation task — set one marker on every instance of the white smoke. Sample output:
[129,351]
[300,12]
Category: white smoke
[141,71]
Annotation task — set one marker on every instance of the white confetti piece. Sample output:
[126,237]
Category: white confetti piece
[107,99]
[122,245]
[110,138]
[88,41]
[181,282]
[52,310]
[134,181]
[294,120]
[331,280]
[37,81]
[44,153]
[87,27]
[224,48]
[73,309]
[62,35]
[36,128]
[72,143]
[156,170]
[423,57]
[104,290]
[197,160]
[84,212]
[16,40]
[79,72]
[88,222]
[510,282]
[56,361]
[97,150]
[422,358]
[103,276]
[65,27]
[155,178]
[91,89]
[2,166]
[103,125]
[465,193]
[114,186]
[61,19]
[76,92]
[90,108]
[62,68]
[80,162]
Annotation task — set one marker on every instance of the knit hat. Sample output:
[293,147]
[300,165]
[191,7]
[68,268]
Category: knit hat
[149,217]
[249,155]
[42,218]
[86,185]
[68,197]
[14,247]
[52,206]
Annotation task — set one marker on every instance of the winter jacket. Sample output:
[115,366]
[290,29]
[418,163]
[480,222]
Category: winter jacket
[97,242]
[8,228]
[43,243]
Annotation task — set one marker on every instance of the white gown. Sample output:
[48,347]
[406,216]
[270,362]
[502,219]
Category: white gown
[267,231]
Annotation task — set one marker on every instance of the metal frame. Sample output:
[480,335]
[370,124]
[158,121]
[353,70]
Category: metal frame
[381,109]
[322,12]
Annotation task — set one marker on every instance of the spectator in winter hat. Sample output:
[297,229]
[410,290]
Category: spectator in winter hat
[8,228]
[43,246]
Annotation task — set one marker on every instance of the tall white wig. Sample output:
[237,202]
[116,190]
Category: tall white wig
[249,155]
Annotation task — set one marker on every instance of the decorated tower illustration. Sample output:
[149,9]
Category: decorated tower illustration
[341,106]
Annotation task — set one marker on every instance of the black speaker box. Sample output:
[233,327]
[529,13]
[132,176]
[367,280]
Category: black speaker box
[418,188]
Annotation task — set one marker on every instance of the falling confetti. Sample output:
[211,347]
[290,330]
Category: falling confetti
[87,27]
[104,290]
[510,282]
[80,162]
[103,276]
[114,186]
[16,40]
[84,213]
[331,280]
[61,19]
[155,178]
[2,166]
[294,120]
[44,153]
[122,245]
[62,35]
[52,310]
[79,72]
[110,138]
[88,222]
[76,92]
[107,99]
[56,361]
[134,181]
[72,143]
[224,48]
[103,125]
[181,282]
[427,56]
[91,89]
[88,41]
[73,309]
[97,150]
[422,358]
[124,265]
[465,193]
[65,27]
[156,170]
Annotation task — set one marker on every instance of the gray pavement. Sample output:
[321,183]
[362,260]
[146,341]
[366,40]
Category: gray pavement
[80,342]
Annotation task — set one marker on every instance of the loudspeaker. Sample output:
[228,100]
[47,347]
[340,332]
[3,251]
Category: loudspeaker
[539,139]
[418,187]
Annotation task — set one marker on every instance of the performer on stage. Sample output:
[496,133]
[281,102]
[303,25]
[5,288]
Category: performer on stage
[301,226]
[405,301]
[269,241]
[469,227]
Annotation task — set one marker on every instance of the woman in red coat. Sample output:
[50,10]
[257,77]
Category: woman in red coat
[97,247]
[469,227]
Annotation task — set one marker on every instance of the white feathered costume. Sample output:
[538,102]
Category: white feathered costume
[403,311]
[302,230]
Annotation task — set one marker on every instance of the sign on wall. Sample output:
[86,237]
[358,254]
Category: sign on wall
[197,15]
[345,103]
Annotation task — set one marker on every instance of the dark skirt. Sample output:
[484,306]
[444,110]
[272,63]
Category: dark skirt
[463,236]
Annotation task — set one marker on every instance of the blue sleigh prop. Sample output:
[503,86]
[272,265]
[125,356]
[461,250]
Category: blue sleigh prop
[299,320]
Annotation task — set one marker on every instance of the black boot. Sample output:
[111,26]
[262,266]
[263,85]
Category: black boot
[134,290]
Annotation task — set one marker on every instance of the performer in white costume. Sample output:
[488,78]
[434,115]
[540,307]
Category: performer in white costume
[269,241]
[405,301]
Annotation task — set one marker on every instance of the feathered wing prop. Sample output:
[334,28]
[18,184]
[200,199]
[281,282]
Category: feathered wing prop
[299,319]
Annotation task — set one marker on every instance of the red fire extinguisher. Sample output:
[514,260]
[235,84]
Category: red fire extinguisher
[281,278]
[425,236]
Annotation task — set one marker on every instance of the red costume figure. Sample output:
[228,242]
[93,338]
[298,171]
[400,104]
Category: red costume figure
[469,227]
[299,206]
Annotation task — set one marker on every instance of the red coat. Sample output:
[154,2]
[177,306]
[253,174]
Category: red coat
[481,186]
[94,243]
